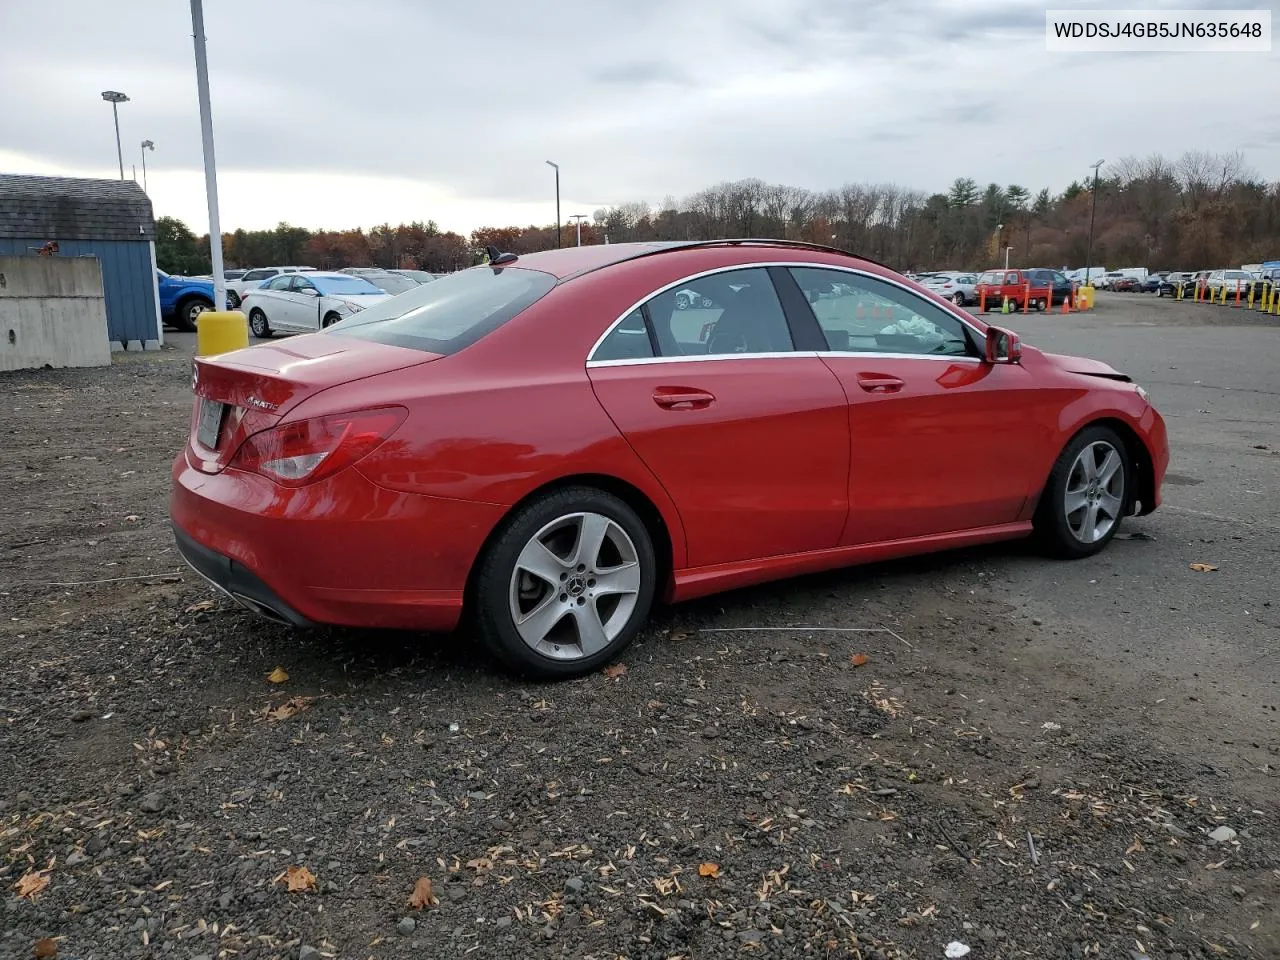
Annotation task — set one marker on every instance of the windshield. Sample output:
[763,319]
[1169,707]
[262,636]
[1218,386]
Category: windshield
[344,286]
[451,313]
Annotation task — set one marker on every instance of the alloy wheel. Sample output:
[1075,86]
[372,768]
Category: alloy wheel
[574,586]
[1094,497]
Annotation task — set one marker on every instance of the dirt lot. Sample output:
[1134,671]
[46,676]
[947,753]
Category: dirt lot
[1032,761]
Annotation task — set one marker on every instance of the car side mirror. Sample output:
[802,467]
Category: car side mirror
[310,291]
[1002,346]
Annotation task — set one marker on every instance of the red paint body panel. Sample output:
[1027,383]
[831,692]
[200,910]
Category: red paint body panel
[341,551]
[791,467]
[754,473]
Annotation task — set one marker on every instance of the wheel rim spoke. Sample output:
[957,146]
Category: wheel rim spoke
[624,579]
[535,625]
[1110,505]
[592,529]
[1110,464]
[1076,501]
[536,559]
[592,636]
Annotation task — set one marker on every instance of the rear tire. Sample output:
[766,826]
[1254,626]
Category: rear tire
[258,324]
[233,299]
[1087,495]
[566,585]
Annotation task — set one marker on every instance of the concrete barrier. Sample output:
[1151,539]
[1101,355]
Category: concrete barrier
[52,313]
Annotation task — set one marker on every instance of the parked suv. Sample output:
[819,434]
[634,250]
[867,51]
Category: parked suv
[255,278]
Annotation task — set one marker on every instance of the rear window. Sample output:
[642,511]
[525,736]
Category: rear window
[451,313]
[344,286]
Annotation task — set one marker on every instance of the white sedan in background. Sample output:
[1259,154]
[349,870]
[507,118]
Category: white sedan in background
[959,288]
[307,302]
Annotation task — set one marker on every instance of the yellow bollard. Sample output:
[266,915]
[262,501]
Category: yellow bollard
[220,331]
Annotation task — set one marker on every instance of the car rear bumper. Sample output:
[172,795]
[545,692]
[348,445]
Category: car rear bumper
[344,551]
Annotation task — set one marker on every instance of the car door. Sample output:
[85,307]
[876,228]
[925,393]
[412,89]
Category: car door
[940,441]
[304,297]
[270,298]
[747,433]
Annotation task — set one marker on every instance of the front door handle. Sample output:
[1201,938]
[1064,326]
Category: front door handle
[878,384]
[682,398]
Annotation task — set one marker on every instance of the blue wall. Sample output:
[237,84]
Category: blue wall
[128,282]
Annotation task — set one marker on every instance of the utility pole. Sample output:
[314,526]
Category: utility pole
[579,217]
[1093,210]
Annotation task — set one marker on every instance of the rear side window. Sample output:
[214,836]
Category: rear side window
[451,313]
[259,274]
[629,340]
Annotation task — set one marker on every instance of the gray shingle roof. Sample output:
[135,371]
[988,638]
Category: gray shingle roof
[71,208]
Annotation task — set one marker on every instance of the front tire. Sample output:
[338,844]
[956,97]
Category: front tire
[1085,499]
[566,585]
[329,320]
[258,324]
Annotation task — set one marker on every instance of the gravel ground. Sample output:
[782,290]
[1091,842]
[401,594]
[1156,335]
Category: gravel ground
[935,765]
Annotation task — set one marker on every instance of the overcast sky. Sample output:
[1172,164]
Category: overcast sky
[337,113]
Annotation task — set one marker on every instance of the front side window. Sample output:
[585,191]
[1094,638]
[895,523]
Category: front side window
[873,316]
[277,283]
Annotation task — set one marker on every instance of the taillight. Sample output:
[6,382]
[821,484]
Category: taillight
[305,451]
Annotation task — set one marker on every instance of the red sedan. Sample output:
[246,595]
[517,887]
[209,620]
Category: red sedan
[550,444]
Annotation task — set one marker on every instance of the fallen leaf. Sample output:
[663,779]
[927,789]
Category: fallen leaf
[422,895]
[614,670]
[1203,567]
[1135,847]
[709,870]
[859,660]
[277,675]
[298,879]
[289,708]
[132,518]
[46,948]
[202,606]
[31,883]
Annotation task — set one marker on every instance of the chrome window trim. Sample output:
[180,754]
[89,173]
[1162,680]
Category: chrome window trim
[811,354]
[795,264]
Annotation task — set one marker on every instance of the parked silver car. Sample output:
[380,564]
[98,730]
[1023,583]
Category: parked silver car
[956,287]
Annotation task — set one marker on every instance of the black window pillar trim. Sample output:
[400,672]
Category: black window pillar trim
[806,332]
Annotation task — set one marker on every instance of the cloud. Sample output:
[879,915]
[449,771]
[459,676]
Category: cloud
[329,113]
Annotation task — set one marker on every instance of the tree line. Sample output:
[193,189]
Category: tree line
[1202,210]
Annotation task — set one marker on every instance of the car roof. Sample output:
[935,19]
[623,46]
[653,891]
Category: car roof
[569,262]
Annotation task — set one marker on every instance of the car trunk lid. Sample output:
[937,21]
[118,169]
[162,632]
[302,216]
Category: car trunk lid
[244,391]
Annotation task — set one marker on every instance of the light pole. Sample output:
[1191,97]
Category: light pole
[114,97]
[557,169]
[146,145]
[579,217]
[1088,255]
[210,169]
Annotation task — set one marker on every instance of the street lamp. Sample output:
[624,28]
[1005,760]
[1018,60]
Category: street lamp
[146,145]
[557,169]
[1088,255]
[579,217]
[114,97]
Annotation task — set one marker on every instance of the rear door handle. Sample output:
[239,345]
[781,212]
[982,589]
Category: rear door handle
[878,384]
[682,398]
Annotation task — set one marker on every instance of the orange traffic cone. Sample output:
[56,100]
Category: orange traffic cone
[1066,305]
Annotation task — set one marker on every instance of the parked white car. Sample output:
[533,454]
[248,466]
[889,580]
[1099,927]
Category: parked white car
[307,302]
[1231,279]
[250,279]
[956,287]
